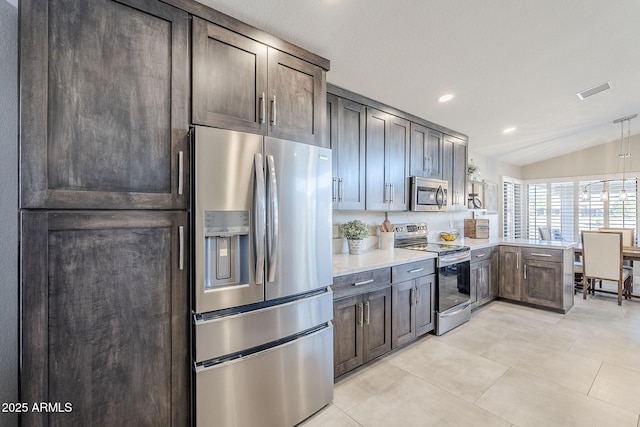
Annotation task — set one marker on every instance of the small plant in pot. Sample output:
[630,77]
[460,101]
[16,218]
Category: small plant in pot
[355,231]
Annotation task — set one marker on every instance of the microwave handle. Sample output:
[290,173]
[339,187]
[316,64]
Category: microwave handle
[440,196]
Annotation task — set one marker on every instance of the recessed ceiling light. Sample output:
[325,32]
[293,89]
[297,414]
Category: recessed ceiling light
[445,98]
[509,130]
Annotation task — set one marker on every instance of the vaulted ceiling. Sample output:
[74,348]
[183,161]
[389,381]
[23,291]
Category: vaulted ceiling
[509,63]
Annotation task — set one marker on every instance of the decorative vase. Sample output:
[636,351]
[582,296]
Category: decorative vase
[355,246]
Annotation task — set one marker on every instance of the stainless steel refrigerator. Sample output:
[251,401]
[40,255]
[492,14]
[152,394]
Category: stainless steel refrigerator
[262,304]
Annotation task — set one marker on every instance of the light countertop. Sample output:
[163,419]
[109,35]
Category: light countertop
[376,258]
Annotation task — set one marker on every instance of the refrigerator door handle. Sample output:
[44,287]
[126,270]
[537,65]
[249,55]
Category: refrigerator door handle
[260,217]
[272,228]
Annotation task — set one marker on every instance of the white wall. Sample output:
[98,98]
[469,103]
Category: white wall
[599,160]
[8,207]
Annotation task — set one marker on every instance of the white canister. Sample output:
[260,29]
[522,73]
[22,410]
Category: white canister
[385,240]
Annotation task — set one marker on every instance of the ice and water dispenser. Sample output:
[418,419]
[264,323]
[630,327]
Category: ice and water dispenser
[226,249]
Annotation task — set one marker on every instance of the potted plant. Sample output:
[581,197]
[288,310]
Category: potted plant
[355,231]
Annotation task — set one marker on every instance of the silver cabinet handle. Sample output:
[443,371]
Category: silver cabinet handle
[340,190]
[272,226]
[334,189]
[364,282]
[368,311]
[418,296]
[262,108]
[181,249]
[517,260]
[260,217]
[480,255]
[525,271]
[416,270]
[361,314]
[274,120]
[544,255]
[180,172]
[391,193]
[412,296]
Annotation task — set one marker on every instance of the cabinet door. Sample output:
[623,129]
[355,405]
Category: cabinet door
[494,277]
[475,274]
[397,162]
[349,155]
[458,186]
[483,275]
[447,168]
[377,189]
[542,283]
[510,273]
[377,323]
[348,318]
[105,317]
[296,99]
[403,324]
[229,84]
[426,152]
[425,311]
[104,115]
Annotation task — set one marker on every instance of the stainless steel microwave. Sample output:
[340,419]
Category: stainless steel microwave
[428,195]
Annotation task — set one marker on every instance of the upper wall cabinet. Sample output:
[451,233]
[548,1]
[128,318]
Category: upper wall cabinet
[426,152]
[387,161]
[103,105]
[346,130]
[454,170]
[244,85]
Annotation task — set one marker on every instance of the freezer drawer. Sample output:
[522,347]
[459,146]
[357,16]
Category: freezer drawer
[230,334]
[280,386]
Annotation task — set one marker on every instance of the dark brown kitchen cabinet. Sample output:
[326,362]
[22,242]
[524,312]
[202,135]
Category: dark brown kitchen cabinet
[361,328]
[542,277]
[347,124]
[412,299]
[413,313]
[510,273]
[105,317]
[103,105]
[484,264]
[387,161]
[241,84]
[426,152]
[454,170]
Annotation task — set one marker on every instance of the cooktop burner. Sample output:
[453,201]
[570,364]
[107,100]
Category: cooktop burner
[414,237]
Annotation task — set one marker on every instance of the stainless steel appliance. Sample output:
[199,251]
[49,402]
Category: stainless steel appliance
[428,195]
[453,302]
[263,338]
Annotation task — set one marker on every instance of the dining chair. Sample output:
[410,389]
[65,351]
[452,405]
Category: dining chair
[602,259]
[544,233]
[627,240]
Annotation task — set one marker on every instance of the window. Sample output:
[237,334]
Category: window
[537,209]
[512,208]
[562,207]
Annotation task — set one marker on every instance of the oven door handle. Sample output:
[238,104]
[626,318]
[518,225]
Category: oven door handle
[447,260]
[459,309]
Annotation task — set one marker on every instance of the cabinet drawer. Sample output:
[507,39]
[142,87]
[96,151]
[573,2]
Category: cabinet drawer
[478,255]
[542,254]
[412,270]
[356,283]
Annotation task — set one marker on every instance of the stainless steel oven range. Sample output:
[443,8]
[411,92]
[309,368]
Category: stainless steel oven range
[453,302]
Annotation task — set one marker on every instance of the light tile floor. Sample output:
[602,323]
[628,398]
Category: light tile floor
[508,366]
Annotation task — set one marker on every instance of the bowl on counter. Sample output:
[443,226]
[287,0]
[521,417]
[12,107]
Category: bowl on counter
[449,236]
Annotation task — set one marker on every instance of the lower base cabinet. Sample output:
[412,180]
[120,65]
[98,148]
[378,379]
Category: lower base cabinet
[362,329]
[412,309]
[105,318]
[483,272]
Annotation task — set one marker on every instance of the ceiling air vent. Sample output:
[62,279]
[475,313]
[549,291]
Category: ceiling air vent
[592,91]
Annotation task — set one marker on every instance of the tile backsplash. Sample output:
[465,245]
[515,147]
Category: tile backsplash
[436,221]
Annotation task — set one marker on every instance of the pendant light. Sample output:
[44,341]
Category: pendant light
[624,155]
